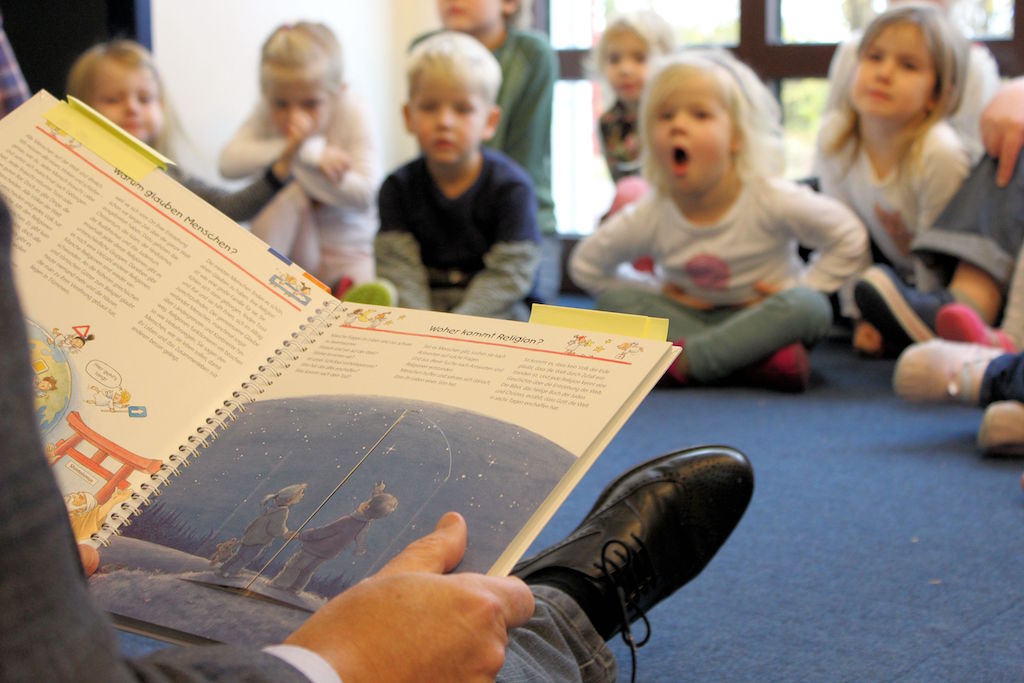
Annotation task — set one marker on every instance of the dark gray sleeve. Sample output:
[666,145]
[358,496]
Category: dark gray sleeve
[509,271]
[50,628]
[399,261]
[238,205]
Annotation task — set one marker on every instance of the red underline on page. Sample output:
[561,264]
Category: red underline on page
[176,223]
[487,343]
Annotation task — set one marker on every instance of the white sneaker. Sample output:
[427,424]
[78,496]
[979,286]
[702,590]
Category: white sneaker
[1002,428]
[941,370]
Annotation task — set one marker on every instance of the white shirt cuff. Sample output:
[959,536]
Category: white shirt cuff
[313,666]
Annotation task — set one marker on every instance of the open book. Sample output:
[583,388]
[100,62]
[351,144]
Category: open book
[269,444]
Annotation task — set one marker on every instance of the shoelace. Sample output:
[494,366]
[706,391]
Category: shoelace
[961,384]
[627,634]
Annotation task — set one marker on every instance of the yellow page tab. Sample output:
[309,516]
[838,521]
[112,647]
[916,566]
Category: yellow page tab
[105,139]
[625,324]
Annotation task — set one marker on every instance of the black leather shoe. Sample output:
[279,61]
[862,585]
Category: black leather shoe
[651,530]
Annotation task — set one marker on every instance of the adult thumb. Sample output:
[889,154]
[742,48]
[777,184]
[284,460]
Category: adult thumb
[438,552]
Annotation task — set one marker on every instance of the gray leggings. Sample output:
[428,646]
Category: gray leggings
[723,340]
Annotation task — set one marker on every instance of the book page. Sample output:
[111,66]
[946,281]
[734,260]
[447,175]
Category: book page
[154,321]
[146,309]
[389,418]
[562,384]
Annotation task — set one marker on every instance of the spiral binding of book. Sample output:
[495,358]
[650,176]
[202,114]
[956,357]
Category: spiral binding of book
[248,392]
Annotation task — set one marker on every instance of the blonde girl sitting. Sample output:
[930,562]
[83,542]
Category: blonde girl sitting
[325,219]
[889,154]
[723,231]
[622,58]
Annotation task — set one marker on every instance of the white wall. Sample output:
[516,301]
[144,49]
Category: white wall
[207,52]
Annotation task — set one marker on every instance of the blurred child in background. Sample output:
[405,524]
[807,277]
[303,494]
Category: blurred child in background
[981,81]
[888,153]
[529,70]
[723,230]
[119,80]
[941,370]
[459,223]
[325,219]
[622,56]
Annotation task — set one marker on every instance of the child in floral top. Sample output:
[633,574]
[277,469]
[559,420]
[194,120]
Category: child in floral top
[622,56]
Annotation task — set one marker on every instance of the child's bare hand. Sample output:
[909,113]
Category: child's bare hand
[676,293]
[298,128]
[334,163]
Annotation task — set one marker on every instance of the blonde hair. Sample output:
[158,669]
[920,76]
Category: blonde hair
[82,84]
[304,51]
[949,52]
[458,56]
[755,113]
[650,27]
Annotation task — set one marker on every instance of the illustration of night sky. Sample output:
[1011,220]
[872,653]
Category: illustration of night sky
[431,457]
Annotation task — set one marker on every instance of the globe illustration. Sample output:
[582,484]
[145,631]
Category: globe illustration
[52,377]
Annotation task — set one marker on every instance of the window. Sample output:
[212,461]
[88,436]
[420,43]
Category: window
[788,42]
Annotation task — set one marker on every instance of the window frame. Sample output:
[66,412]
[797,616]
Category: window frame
[774,60]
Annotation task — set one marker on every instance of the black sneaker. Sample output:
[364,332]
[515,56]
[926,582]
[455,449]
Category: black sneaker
[651,530]
[901,314]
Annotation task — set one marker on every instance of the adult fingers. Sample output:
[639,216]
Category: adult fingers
[513,595]
[438,552]
[1008,154]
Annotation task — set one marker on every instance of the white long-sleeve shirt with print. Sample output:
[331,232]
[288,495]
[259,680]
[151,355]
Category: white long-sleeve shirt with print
[753,246]
[916,196]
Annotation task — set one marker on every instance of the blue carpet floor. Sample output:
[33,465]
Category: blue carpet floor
[880,545]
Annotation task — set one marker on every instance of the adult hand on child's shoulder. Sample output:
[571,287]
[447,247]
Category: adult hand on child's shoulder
[1002,128]
[412,621]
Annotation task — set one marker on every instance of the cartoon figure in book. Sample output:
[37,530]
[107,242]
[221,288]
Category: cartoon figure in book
[328,541]
[111,400]
[225,549]
[382,318]
[292,286]
[44,385]
[577,343]
[72,343]
[368,317]
[626,348]
[87,514]
[353,315]
[271,525]
[63,136]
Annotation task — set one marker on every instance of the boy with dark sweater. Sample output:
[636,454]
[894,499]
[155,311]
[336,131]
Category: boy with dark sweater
[459,225]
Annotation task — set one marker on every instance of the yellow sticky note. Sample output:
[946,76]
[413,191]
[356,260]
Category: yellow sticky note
[105,139]
[625,324]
